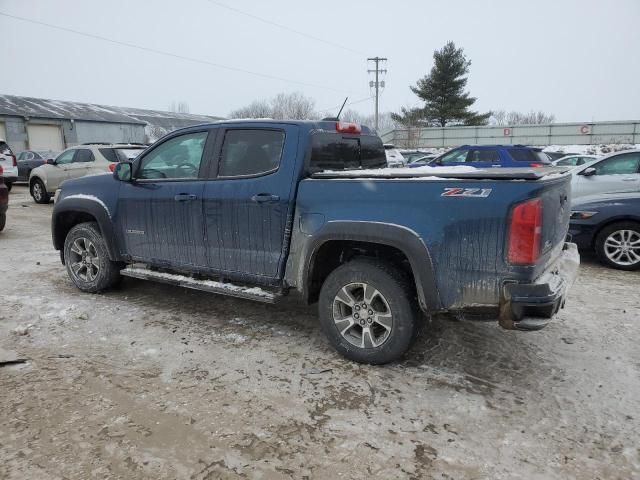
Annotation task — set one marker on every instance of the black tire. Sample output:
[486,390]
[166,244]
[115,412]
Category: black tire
[3,220]
[39,192]
[396,296]
[91,272]
[9,185]
[605,245]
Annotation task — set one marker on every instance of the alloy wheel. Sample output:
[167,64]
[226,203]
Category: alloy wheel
[362,315]
[622,247]
[84,259]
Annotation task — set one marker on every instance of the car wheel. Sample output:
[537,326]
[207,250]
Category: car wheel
[39,192]
[9,185]
[87,259]
[3,221]
[367,312]
[618,245]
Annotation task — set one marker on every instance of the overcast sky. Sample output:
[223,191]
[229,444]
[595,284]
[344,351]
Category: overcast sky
[577,59]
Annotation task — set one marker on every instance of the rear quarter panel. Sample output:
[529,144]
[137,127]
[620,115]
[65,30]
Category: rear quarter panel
[465,236]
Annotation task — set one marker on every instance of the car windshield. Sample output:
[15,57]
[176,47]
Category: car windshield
[46,154]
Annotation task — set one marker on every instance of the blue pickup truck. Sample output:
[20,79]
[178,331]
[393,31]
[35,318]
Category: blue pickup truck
[261,209]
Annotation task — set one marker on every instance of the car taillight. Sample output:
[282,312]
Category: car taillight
[536,164]
[525,232]
[112,167]
[15,161]
[348,127]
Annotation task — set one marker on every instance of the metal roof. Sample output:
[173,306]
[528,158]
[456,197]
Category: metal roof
[58,109]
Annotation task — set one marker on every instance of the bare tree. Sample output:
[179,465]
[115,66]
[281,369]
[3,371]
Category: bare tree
[284,106]
[502,117]
[256,109]
[385,122]
[293,106]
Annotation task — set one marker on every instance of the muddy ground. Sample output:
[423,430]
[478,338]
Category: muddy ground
[151,381]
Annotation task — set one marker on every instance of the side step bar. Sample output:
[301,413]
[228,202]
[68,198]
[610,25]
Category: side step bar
[250,293]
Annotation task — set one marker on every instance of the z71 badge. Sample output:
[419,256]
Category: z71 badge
[466,192]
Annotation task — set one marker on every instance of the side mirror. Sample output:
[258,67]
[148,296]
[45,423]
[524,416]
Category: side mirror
[122,171]
[51,161]
[587,172]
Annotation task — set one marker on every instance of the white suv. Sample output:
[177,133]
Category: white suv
[78,161]
[8,163]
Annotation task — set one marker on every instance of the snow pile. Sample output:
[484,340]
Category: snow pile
[601,149]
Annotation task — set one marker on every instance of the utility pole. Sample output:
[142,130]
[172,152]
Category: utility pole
[377,84]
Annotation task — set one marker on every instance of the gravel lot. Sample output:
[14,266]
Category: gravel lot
[151,381]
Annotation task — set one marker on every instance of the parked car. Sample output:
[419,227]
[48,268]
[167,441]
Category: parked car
[394,157]
[4,200]
[30,159]
[9,164]
[421,161]
[484,156]
[558,155]
[573,160]
[609,224]
[78,161]
[616,172]
[258,209]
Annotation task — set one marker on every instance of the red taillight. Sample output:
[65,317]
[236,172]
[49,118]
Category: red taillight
[525,232]
[15,161]
[536,164]
[348,127]
[112,167]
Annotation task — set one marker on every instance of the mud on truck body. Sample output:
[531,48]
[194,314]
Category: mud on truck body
[261,209]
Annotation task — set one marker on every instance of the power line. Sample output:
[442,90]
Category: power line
[347,104]
[169,54]
[284,27]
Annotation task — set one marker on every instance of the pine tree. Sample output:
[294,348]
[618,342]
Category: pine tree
[443,90]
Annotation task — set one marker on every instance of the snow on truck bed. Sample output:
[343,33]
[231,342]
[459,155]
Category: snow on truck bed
[440,173]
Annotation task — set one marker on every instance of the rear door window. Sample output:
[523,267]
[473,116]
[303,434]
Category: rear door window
[84,155]
[250,152]
[487,156]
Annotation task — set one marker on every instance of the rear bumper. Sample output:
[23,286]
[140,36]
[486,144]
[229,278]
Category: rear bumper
[531,306]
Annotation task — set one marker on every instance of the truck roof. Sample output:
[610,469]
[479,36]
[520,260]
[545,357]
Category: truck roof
[329,125]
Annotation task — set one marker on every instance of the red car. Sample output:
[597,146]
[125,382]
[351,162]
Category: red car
[4,201]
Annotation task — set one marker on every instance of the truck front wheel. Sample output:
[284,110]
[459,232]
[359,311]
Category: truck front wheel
[87,260]
[366,310]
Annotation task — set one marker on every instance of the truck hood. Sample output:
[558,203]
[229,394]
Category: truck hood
[88,184]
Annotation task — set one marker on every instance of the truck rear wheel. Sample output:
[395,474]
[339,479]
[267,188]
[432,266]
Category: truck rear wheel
[367,311]
[87,259]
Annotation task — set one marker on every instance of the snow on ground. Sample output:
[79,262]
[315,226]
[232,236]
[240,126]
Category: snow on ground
[151,381]
[601,149]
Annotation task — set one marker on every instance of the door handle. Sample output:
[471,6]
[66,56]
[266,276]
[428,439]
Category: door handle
[185,197]
[265,198]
